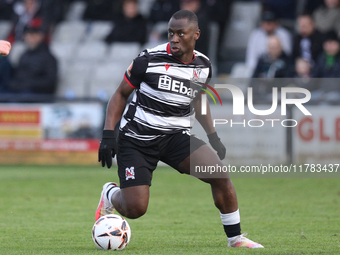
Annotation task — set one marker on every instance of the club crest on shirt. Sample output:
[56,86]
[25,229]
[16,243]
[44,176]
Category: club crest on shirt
[130,173]
[196,74]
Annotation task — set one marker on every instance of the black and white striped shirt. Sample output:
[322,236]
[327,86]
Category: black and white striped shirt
[164,92]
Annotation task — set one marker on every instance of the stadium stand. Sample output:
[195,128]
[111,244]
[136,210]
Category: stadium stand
[63,50]
[123,53]
[91,51]
[18,48]
[244,18]
[70,31]
[240,70]
[5,27]
[97,30]
[105,80]
[74,79]
[75,11]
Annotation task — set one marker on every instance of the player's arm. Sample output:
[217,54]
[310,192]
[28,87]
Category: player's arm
[207,124]
[116,105]
[5,47]
[115,108]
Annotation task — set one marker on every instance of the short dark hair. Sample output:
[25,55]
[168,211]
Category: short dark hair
[185,14]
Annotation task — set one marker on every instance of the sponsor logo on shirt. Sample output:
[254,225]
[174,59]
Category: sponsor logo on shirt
[167,83]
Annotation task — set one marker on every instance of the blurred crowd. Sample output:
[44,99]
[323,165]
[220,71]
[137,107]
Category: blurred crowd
[294,39]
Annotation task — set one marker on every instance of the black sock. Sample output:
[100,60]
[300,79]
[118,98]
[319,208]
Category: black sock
[232,230]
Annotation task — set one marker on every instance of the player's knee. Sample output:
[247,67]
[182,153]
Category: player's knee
[219,182]
[135,210]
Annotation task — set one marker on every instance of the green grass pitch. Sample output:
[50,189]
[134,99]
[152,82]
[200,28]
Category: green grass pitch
[50,210]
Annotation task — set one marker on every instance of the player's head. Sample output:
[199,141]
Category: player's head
[183,32]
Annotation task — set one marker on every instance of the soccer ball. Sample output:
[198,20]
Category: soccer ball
[111,232]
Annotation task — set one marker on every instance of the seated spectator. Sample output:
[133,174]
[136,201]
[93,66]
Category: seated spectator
[328,66]
[302,77]
[37,69]
[27,13]
[311,5]
[53,11]
[6,9]
[219,11]
[202,44]
[328,63]
[162,10]
[273,64]
[257,44]
[130,26]
[5,73]
[307,43]
[302,69]
[99,10]
[283,9]
[327,17]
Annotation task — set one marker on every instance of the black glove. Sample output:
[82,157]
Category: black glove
[215,142]
[108,148]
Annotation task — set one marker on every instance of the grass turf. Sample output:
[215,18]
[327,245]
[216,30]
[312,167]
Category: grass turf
[50,210]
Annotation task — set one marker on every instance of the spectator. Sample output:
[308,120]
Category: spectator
[283,9]
[53,11]
[37,69]
[219,11]
[257,44]
[162,10]
[5,73]
[307,43]
[302,69]
[327,17]
[328,63]
[311,5]
[275,63]
[202,44]
[301,78]
[328,66]
[99,10]
[6,9]
[130,26]
[27,13]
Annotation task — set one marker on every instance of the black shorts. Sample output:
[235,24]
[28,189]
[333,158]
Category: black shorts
[137,159]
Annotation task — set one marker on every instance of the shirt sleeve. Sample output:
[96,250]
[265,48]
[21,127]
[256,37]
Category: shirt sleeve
[135,73]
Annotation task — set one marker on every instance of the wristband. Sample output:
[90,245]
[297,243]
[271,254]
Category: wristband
[213,136]
[108,134]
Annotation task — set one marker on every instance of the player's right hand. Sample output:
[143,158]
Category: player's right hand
[5,47]
[216,143]
[108,148]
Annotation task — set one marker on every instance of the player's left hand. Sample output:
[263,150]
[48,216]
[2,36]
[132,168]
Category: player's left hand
[216,143]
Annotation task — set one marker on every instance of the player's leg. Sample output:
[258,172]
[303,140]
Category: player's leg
[222,188]
[131,202]
[136,163]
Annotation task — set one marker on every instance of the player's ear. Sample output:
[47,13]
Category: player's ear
[197,34]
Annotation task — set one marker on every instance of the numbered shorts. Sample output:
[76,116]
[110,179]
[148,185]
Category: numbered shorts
[138,159]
